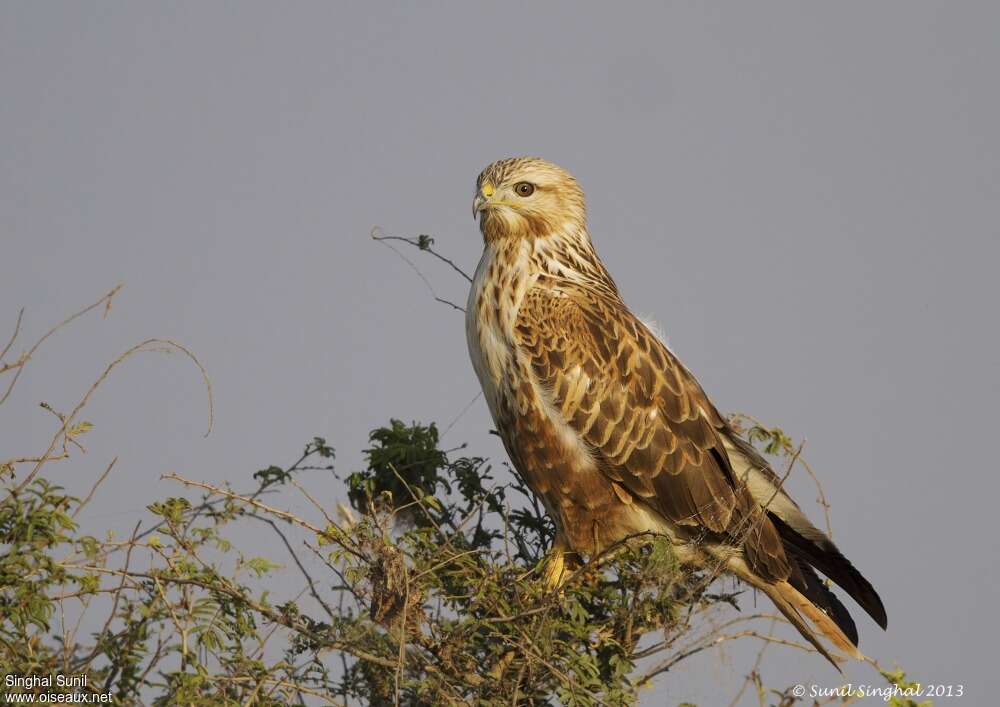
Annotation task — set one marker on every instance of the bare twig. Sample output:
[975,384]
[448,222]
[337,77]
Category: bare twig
[461,413]
[712,642]
[383,240]
[117,597]
[424,244]
[821,499]
[284,515]
[755,670]
[160,345]
[298,563]
[265,611]
[13,337]
[93,489]
[23,360]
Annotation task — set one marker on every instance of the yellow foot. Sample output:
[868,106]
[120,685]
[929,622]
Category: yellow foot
[560,564]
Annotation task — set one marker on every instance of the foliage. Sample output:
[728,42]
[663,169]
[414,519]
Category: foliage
[425,591]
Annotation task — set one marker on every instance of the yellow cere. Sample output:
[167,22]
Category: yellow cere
[487,189]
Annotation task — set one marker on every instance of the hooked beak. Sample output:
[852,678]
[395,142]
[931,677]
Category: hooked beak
[478,204]
[482,199]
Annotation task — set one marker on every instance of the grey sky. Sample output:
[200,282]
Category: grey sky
[804,196]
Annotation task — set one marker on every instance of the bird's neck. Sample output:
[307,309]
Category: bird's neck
[561,256]
[570,255]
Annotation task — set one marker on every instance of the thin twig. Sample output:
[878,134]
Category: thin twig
[13,337]
[23,360]
[424,244]
[383,240]
[461,413]
[93,489]
[67,420]
[117,593]
[265,611]
[755,670]
[298,563]
[284,515]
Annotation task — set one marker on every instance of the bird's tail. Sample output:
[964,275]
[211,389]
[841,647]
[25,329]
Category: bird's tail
[793,605]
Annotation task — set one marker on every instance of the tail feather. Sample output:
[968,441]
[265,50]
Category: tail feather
[822,554]
[798,534]
[803,593]
[816,591]
[793,605]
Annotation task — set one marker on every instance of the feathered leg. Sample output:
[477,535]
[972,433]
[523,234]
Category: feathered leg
[560,562]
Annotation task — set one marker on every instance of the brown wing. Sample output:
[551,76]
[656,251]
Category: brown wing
[649,424]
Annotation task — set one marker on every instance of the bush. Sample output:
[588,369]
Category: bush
[429,592]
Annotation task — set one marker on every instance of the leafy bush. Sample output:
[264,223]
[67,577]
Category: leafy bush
[428,591]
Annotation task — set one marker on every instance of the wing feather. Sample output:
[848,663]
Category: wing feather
[650,426]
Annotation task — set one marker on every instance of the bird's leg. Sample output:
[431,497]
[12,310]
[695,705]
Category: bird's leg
[560,562]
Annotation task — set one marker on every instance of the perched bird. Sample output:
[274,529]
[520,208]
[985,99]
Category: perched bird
[611,431]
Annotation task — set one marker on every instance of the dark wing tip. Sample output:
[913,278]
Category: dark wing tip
[816,590]
[828,559]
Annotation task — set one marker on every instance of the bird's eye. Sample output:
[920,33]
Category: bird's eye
[524,188]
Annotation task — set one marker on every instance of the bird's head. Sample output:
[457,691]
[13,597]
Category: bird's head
[527,197]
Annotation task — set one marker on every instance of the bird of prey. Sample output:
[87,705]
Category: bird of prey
[611,431]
